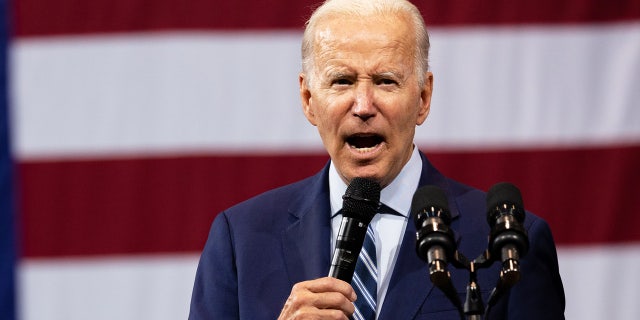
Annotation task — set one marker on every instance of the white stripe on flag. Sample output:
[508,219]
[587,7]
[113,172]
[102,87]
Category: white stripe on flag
[601,282]
[133,287]
[153,92]
[148,93]
[519,86]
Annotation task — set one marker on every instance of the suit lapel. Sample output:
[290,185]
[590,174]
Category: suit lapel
[306,245]
[410,278]
[411,275]
[305,241]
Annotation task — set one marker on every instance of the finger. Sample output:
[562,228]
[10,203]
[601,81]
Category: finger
[314,313]
[329,284]
[335,301]
[324,298]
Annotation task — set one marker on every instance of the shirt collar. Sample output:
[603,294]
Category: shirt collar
[397,195]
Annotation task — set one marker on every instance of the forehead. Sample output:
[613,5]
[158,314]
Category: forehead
[373,37]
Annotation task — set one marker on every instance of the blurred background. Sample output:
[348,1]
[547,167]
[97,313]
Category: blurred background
[127,125]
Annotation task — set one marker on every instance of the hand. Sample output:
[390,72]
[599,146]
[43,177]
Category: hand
[323,298]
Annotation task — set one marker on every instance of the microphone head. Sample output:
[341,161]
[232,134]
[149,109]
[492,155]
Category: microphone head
[430,196]
[504,193]
[361,200]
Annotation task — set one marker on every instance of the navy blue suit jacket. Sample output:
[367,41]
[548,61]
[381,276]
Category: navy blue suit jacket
[258,249]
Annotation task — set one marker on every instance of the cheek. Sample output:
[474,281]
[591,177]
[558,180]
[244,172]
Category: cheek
[403,114]
[327,125]
[324,119]
[403,127]
[331,114]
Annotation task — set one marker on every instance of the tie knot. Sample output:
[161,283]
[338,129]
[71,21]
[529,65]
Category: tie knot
[385,209]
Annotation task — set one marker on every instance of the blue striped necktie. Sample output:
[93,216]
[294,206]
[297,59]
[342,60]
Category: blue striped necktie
[365,279]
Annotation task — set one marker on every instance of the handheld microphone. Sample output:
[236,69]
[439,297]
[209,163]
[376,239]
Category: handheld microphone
[360,203]
[434,239]
[508,239]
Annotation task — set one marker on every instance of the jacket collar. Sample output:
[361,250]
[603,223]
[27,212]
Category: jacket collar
[411,274]
[306,244]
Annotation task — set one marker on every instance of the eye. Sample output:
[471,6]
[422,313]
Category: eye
[387,82]
[343,81]
[387,79]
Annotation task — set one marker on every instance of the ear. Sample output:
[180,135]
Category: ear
[305,96]
[425,98]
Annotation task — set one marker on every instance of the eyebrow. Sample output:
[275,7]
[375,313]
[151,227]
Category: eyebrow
[342,74]
[393,74]
[337,72]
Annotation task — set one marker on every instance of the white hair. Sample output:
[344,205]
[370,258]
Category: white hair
[365,8]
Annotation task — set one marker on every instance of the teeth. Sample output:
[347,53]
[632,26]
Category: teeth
[364,150]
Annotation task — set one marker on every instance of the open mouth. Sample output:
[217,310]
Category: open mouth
[364,142]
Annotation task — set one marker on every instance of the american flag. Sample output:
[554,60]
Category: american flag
[126,125]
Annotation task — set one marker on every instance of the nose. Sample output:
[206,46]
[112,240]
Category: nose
[363,106]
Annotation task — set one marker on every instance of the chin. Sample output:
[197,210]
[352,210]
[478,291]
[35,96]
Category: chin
[368,173]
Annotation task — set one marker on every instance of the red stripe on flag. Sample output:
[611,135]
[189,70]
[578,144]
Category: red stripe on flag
[587,195]
[37,18]
[167,204]
[140,205]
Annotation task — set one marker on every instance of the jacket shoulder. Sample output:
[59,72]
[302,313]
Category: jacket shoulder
[283,199]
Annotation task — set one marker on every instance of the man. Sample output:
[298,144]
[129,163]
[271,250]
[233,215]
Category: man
[365,85]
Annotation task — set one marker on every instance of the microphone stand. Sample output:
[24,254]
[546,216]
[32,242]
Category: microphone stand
[507,241]
[474,307]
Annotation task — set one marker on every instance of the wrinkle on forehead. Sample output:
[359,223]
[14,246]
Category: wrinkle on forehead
[339,39]
[335,58]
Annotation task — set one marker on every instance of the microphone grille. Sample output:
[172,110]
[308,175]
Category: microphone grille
[504,192]
[429,196]
[361,200]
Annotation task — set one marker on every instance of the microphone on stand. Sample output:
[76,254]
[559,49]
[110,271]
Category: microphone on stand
[508,239]
[435,243]
[434,238]
[360,203]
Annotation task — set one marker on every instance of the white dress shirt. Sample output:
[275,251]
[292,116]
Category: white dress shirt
[388,228]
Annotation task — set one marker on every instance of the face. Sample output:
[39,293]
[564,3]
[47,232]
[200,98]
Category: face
[364,94]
